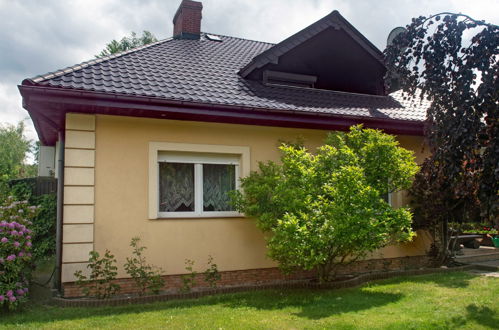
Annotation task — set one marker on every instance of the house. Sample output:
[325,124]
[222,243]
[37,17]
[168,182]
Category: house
[148,141]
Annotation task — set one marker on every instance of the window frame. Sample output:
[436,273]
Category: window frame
[198,160]
[197,154]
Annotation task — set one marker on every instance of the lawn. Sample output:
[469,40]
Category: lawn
[452,300]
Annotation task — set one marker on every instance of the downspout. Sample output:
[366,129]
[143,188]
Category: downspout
[59,219]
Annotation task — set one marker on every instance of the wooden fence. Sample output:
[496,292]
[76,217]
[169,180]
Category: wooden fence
[39,185]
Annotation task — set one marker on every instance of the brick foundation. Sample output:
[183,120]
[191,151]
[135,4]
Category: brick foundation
[252,277]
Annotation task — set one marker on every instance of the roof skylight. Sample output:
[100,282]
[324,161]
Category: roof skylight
[213,37]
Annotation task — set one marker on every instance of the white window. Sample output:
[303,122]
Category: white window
[194,180]
[196,184]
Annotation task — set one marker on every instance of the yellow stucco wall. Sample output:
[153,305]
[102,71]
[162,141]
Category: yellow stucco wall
[121,194]
[79,192]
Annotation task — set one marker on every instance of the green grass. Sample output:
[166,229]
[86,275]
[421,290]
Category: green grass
[452,300]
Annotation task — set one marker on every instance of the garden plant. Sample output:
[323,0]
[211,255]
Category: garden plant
[326,209]
[146,277]
[100,281]
[44,223]
[15,251]
[189,279]
[211,274]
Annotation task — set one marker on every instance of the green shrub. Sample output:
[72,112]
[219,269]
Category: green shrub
[44,224]
[211,274]
[481,231]
[327,209]
[473,228]
[146,277]
[15,251]
[189,279]
[103,272]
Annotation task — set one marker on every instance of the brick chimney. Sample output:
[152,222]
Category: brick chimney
[187,20]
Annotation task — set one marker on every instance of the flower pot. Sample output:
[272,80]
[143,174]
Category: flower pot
[495,240]
[487,241]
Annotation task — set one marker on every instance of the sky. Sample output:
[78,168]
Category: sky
[38,36]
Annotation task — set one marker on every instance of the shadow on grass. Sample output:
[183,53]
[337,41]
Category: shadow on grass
[482,315]
[317,304]
[479,314]
[450,280]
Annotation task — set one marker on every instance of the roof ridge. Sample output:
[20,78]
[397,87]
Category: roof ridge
[84,64]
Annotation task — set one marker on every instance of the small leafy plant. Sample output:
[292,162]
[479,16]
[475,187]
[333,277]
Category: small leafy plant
[103,272]
[188,280]
[485,231]
[146,277]
[211,275]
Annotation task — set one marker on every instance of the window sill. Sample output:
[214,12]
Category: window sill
[198,217]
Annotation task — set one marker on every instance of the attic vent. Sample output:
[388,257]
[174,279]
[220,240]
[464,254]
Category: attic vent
[213,37]
[288,79]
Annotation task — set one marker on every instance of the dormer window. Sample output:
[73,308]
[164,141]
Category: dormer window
[329,54]
[288,79]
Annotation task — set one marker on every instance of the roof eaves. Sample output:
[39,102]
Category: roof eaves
[142,99]
[79,66]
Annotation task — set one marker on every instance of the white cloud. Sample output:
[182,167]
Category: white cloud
[11,111]
[41,36]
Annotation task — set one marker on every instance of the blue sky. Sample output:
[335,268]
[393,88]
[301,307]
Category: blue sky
[41,36]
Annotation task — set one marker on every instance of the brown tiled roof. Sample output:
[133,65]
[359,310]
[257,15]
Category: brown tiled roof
[206,71]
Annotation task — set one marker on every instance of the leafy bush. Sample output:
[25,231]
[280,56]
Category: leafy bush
[327,209]
[471,228]
[44,223]
[44,226]
[189,279]
[211,274]
[146,277]
[103,272]
[15,251]
[481,231]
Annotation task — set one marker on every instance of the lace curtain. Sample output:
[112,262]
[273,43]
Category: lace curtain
[176,187]
[218,180]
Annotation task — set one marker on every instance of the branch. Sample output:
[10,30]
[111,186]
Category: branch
[459,15]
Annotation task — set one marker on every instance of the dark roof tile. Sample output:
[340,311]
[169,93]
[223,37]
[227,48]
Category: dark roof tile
[206,71]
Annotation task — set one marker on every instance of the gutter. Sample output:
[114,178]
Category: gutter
[59,219]
[90,102]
